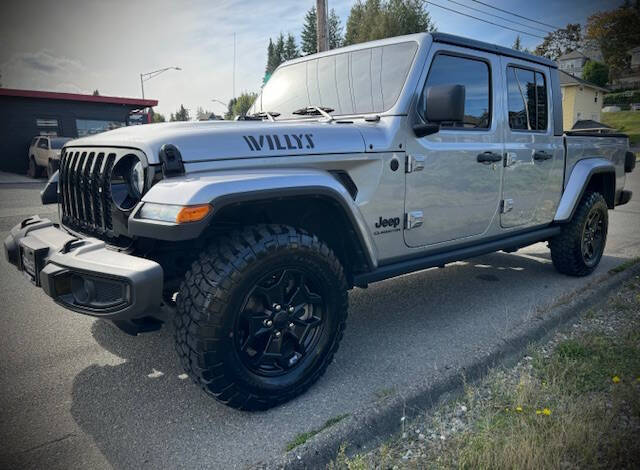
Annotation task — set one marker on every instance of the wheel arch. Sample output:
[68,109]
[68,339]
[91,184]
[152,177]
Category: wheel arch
[314,200]
[591,174]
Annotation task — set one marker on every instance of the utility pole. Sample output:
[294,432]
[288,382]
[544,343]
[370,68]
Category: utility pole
[322,28]
[234,65]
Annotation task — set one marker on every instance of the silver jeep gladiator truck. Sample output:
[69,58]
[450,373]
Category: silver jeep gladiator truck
[353,166]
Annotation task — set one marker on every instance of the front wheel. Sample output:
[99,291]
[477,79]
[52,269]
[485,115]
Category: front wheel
[51,168]
[578,249]
[260,315]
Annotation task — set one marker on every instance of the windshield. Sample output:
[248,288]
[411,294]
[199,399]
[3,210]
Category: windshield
[357,82]
[59,142]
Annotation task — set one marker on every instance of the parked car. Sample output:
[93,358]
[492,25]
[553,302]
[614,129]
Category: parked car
[354,166]
[44,155]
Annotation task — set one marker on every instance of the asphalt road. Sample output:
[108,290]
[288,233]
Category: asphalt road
[77,393]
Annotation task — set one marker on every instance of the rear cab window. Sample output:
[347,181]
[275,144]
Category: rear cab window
[474,74]
[527,100]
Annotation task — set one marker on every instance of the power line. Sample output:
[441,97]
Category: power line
[486,21]
[498,16]
[515,14]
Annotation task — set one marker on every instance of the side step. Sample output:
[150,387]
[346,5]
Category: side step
[438,259]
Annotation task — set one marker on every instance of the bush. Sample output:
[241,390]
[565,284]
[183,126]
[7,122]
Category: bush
[626,97]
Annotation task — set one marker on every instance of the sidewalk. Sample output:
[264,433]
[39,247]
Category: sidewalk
[13,178]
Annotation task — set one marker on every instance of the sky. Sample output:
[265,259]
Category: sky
[78,46]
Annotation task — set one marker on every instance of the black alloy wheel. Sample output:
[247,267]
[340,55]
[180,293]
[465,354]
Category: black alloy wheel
[593,236]
[280,322]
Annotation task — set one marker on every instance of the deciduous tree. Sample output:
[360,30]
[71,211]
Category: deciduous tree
[615,32]
[560,42]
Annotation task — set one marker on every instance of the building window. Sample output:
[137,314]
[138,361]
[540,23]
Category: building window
[95,126]
[595,100]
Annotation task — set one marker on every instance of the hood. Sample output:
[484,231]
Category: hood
[215,140]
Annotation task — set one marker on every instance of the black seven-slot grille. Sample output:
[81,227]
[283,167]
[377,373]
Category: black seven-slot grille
[85,194]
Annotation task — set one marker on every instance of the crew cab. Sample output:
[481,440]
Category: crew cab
[353,166]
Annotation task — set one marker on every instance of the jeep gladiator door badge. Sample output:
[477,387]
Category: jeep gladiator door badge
[279,142]
[387,225]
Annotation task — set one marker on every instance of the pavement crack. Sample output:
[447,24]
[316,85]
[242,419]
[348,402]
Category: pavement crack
[44,444]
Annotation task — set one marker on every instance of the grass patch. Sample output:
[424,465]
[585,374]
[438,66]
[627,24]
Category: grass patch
[626,265]
[573,403]
[305,436]
[627,122]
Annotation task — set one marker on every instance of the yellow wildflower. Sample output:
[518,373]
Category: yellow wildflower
[538,412]
[615,379]
[518,409]
[546,412]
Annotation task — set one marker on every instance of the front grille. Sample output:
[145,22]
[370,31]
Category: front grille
[84,184]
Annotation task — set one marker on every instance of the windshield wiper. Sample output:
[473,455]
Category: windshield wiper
[270,115]
[315,111]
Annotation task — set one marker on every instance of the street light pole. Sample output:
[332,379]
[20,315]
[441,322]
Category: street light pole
[149,75]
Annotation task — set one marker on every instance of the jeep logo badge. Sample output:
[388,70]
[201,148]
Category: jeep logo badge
[393,223]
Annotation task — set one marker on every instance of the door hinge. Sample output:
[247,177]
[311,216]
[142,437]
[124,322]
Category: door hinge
[413,219]
[414,163]
[506,205]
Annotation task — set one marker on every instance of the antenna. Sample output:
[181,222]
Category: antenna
[234,65]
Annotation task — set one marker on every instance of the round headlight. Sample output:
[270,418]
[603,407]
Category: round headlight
[127,182]
[137,178]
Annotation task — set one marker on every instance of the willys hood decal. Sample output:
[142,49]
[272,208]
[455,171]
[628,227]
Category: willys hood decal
[215,140]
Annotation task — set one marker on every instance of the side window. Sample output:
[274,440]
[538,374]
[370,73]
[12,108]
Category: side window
[474,75]
[527,99]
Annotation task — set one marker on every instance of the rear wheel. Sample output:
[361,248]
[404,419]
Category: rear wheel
[33,170]
[260,315]
[578,249]
[51,169]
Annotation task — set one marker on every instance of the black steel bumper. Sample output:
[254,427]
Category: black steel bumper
[83,275]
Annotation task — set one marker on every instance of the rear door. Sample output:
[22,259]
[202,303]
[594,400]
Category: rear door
[453,177]
[532,181]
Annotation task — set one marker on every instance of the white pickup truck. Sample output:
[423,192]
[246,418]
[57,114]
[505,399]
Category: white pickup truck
[355,165]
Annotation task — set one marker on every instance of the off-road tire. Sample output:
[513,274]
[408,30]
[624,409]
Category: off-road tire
[566,248]
[209,302]
[33,171]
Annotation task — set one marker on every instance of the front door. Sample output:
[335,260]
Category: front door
[453,177]
[533,172]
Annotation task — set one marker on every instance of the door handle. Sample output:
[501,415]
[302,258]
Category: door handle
[489,157]
[541,155]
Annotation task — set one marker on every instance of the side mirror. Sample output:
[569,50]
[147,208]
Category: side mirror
[445,103]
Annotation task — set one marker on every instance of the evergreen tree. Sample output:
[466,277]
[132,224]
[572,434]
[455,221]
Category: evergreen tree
[378,19]
[308,37]
[181,114]
[279,49]
[271,58]
[516,44]
[290,48]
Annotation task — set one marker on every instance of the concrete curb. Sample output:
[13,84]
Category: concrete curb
[373,424]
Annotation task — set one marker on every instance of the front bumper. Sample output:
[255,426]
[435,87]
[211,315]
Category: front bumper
[82,274]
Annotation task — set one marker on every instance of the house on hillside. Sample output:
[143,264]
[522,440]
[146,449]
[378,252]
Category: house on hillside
[581,100]
[630,79]
[574,61]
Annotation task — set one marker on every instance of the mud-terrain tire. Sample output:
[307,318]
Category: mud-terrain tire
[260,315]
[578,248]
